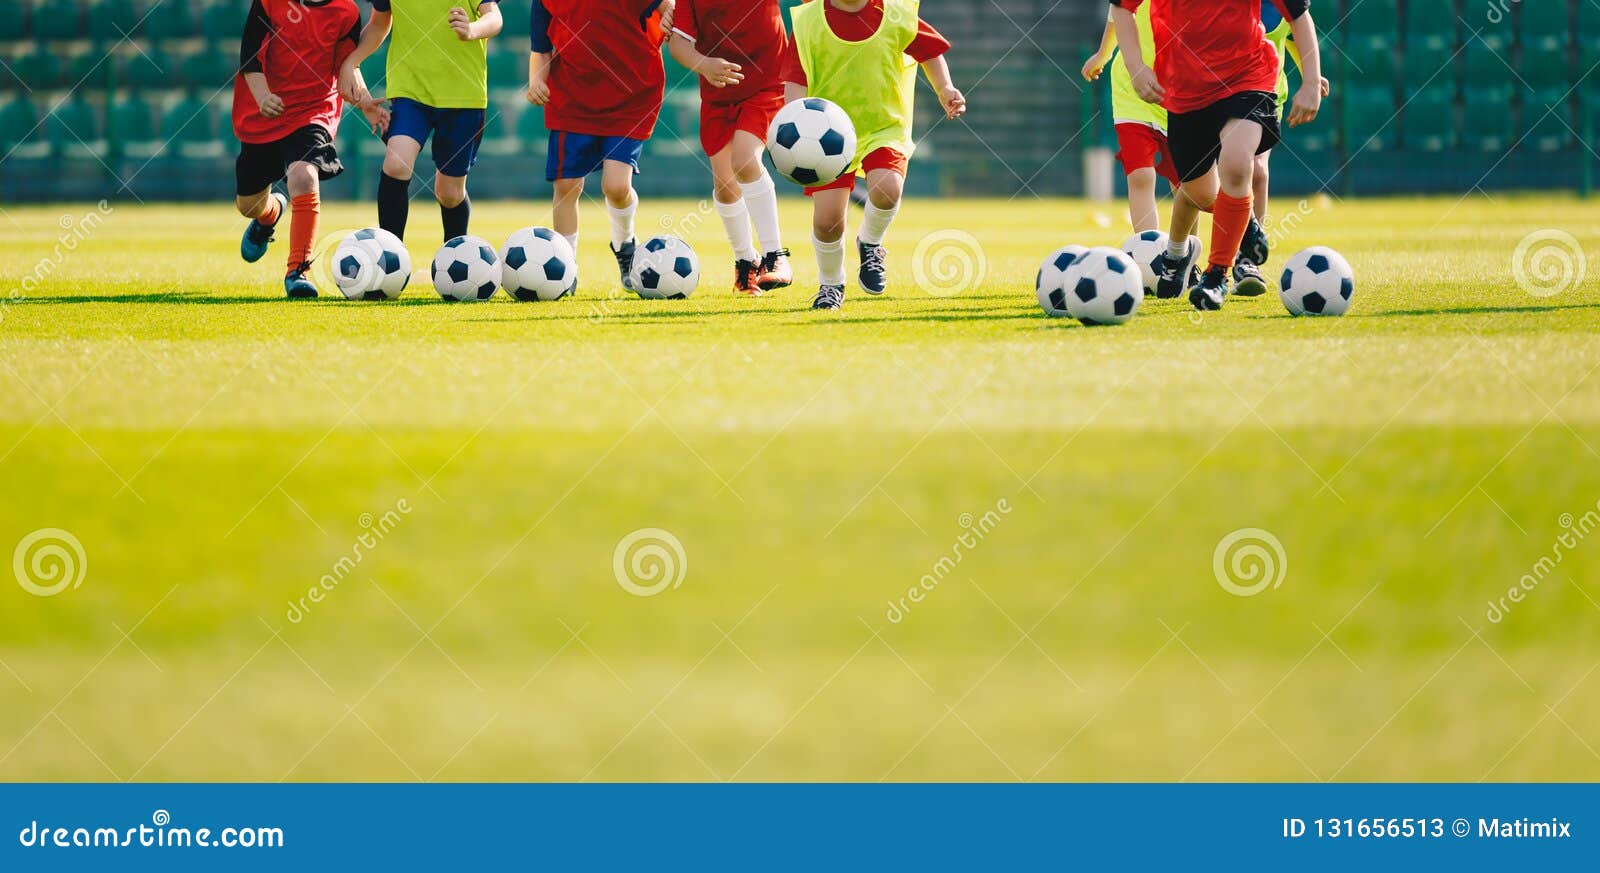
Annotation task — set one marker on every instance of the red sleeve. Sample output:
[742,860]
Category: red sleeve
[1291,10]
[928,43]
[683,21]
[793,70]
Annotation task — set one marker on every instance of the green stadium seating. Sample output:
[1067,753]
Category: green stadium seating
[531,131]
[131,120]
[40,70]
[1430,120]
[1486,125]
[1589,60]
[1431,22]
[57,21]
[1369,120]
[74,129]
[514,32]
[1430,67]
[15,14]
[90,69]
[17,122]
[1545,70]
[373,69]
[208,69]
[113,20]
[1369,21]
[1488,63]
[1371,65]
[508,70]
[1547,117]
[10,76]
[189,128]
[171,20]
[1588,22]
[1546,26]
[223,22]
[149,69]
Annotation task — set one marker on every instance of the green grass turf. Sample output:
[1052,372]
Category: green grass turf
[215,448]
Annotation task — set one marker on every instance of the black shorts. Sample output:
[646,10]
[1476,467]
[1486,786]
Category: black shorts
[1196,137]
[263,163]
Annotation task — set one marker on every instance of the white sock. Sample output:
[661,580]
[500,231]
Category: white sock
[761,199]
[830,261]
[1177,248]
[876,223]
[736,218]
[573,239]
[622,222]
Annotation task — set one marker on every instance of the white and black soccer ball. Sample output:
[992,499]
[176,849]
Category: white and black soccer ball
[665,268]
[466,268]
[1317,281]
[1103,287]
[1052,281]
[536,263]
[1146,248]
[812,142]
[355,268]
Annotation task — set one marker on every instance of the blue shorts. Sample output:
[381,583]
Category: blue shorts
[576,155]
[456,132]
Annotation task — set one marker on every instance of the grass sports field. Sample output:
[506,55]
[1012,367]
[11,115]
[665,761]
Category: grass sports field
[464,475]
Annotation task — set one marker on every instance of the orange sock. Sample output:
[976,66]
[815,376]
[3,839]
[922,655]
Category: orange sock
[269,216]
[1230,217]
[303,228]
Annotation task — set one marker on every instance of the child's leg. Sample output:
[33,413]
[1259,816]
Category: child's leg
[1260,184]
[455,208]
[730,205]
[760,195]
[884,188]
[827,233]
[1187,203]
[394,183]
[306,207]
[261,206]
[1142,199]
[616,181]
[1230,214]
[564,211]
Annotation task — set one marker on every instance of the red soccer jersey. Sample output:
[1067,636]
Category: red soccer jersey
[749,33]
[304,44]
[606,78]
[1210,49]
[861,25]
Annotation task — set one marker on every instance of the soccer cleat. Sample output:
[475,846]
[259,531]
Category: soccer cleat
[258,235]
[776,271]
[829,297]
[744,278]
[624,257]
[874,270]
[1247,281]
[297,286]
[1212,290]
[1256,248]
[1176,275]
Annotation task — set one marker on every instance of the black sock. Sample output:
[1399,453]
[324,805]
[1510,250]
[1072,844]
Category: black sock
[394,201]
[456,217]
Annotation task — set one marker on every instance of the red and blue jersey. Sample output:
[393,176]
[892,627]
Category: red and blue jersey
[606,76]
[1207,50]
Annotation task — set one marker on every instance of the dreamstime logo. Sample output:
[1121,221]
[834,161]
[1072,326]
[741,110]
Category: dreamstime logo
[1575,529]
[1249,561]
[75,231]
[373,531]
[49,561]
[1500,10]
[1548,262]
[973,531]
[649,561]
[949,262]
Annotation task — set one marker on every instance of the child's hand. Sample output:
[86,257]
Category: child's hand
[1326,88]
[720,73]
[351,89]
[954,102]
[1307,103]
[539,87]
[668,9]
[461,24]
[270,104]
[1146,84]
[377,115]
[1094,66]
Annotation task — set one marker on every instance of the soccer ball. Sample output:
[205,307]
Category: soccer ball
[665,268]
[371,264]
[1051,284]
[1317,281]
[812,142]
[538,264]
[1103,287]
[466,268]
[1145,248]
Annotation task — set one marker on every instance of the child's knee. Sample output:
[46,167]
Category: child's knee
[449,190]
[618,190]
[747,168]
[396,166]
[567,189]
[301,178]
[885,191]
[827,228]
[1142,179]
[727,190]
[250,206]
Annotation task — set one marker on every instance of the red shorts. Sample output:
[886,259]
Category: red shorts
[720,121]
[1138,146]
[878,159]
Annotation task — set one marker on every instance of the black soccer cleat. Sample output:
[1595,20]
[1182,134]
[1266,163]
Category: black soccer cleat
[1173,276]
[624,258]
[1256,248]
[829,297]
[297,286]
[874,269]
[1247,281]
[1208,295]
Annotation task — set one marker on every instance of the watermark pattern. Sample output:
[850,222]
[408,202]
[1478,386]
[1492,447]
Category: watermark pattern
[973,532]
[373,532]
[649,561]
[1574,531]
[1549,262]
[158,834]
[1249,561]
[948,263]
[75,231]
[49,561]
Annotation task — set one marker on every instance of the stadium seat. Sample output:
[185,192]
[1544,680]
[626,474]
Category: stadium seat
[40,70]
[374,69]
[531,131]
[1588,23]
[1547,117]
[517,26]
[21,135]
[1546,26]
[1429,121]
[115,20]
[498,124]
[1486,123]
[74,129]
[508,70]
[15,14]
[222,22]
[172,20]
[130,125]
[1545,70]
[1589,68]
[1370,22]
[90,69]
[188,127]
[10,76]
[1488,63]
[1431,23]
[148,69]
[1369,119]
[208,69]
[1429,66]
[1371,65]
[57,21]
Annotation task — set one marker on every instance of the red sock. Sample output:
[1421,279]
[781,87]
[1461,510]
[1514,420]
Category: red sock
[1230,217]
[269,215]
[303,228]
